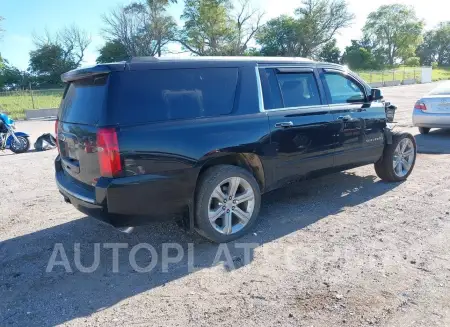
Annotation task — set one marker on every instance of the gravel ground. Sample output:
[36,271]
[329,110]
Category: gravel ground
[342,250]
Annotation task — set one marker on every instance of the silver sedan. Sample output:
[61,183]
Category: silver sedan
[433,110]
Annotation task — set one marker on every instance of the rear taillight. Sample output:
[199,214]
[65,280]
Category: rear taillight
[420,106]
[108,152]
[56,132]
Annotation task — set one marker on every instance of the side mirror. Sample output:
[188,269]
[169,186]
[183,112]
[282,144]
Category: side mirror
[376,95]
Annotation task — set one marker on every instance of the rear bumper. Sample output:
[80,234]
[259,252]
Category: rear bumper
[436,120]
[123,202]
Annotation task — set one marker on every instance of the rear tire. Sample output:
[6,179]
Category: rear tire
[24,146]
[392,166]
[215,198]
[424,130]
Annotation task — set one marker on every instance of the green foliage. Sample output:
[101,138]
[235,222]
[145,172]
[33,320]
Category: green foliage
[330,52]
[412,62]
[48,62]
[359,55]
[10,77]
[395,30]
[112,51]
[208,28]
[435,46]
[315,24]
[143,28]
[279,37]
[434,64]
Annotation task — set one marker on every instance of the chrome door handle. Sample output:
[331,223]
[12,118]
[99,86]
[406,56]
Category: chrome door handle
[285,124]
[345,118]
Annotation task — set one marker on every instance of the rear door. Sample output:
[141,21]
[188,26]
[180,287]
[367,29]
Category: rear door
[302,130]
[360,137]
[79,114]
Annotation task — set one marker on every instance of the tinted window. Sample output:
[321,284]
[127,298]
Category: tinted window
[270,88]
[169,94]
[343,89]
[299,90]
[83,100]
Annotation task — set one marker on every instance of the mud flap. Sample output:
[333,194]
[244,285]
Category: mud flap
[388,135]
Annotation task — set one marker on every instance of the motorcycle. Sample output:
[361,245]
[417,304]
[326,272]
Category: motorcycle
[17,142]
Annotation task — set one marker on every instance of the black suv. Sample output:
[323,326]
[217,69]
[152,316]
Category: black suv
[203,138]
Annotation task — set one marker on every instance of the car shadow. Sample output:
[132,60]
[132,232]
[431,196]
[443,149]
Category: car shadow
[435,142]
[32,296]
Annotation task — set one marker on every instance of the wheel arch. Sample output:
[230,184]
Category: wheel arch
[249,161]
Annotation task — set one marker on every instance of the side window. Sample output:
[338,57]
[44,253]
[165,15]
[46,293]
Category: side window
[170,94]
[343,89]
[298,89]
[270,89]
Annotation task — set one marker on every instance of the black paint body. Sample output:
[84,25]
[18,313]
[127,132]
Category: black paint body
[162,161]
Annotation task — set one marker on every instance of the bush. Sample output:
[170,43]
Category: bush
[412,61]
[434,64]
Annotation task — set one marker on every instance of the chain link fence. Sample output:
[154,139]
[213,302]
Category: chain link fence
[399,74]
[14,103]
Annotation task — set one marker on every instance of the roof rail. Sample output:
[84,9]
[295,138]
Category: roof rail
[142,59]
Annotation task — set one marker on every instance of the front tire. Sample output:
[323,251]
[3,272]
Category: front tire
[424,130]
[228,200]
[23,146]
[398,158]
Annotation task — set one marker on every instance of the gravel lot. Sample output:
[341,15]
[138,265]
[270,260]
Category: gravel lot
[342,250]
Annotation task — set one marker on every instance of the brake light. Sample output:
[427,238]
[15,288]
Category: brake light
[420,106]
[108,152]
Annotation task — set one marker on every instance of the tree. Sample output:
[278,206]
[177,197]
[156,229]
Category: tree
[208,29]
[330,52]
[48,62]
[395,30]
[216,27]
[143,28]
[71,40]
[436,46]
[57,54]
[279,37]
[412,61]
[112,51]
[11,77]
[315,24]
[357,57]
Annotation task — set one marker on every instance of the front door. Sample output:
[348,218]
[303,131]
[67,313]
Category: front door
[360,137]
[302,128]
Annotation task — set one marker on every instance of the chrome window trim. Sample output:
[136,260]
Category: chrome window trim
[286,66]
[305,109]
[262,108]
[260,91]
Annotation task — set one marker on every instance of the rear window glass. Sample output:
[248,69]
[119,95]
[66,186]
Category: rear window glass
[443,89]
[83,100]
[171,94]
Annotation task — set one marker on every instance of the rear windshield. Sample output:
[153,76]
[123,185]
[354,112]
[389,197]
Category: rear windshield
[83,100]
[171,94]
[443,89]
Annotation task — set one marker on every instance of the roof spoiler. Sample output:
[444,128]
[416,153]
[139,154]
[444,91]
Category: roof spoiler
[83,73]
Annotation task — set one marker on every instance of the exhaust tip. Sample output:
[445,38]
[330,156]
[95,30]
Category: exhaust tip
[126,230]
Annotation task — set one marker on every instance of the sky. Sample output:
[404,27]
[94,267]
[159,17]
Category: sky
[26,18]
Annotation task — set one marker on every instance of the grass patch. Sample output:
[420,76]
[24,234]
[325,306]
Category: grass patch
[441,73]
[15,103]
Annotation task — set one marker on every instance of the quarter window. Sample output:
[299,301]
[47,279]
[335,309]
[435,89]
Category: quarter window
[343,89]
